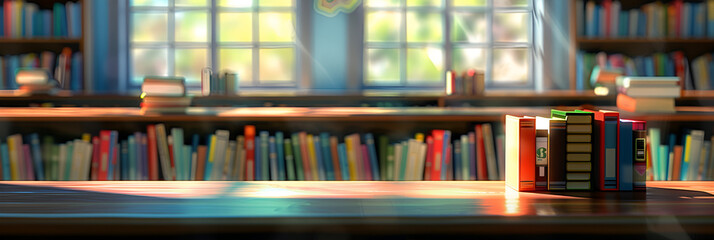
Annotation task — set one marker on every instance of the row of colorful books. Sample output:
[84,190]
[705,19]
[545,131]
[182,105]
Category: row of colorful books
[65,67]
[20,19]
[163,154]
[687,157]
[676,19]
[575,150]
[695,75]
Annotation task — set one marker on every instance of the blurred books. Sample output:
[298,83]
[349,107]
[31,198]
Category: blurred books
[164,95]
[647,94]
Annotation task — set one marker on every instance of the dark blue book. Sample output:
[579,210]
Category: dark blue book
[123,156]
[195,139]
[369,140]
[34,141]
[2,23]
[596,26]
[46,23]
[273,159]
[75,73]
[642,24]
[626,156]
[623,29]
[113,161]
[342,152]
[318,156]
[13,64]
[457,160]
[326,156]
[5,157]
[444,155]
[280,151]
[258,158]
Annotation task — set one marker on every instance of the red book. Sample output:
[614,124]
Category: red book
[152,153]
[520,153]
[171,156]
[639,129]
[607,5]
[115,163]
[8,19]
[335,158]
[201,162]
[438,154]
[606,139]
[249,132]
[105,138]
[679,68]
[305,156]
[96,158]
[481,165]
[367,164]
[429,157]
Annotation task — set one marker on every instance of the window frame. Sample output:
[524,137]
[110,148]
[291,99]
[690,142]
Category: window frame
[213,45]
[447,11]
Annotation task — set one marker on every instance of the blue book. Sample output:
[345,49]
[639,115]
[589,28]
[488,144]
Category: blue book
[457,159]
[144,157]
[131,157]
[113,141]
[77,19]
[684,167]
[264,157]
[273,159]
[5,157]
[280,151]
[326,156]
[596,25]
[76,72]
[342,152]
[123,161]
[209,165]
[2,23]
[444,155]
[47,23]
[34,141]
[642,24]
[610,172]
[13,64]
[579,80]
[649,67]
[318,156]
[697,19]
[258,159]
[623,29]
[137,156]
[369,139]
[669,70]
[194,151]
[626,156]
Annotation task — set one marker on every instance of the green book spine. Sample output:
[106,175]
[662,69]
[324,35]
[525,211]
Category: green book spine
[383,153]
[47,145]
[289,159]
[465,158]
[403,165]
[297,155]
[390,163]
[264,156]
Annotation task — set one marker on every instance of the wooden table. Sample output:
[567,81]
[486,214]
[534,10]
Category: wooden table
[362,208]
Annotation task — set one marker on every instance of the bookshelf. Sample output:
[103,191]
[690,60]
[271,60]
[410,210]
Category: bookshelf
[690,46]
[13,45]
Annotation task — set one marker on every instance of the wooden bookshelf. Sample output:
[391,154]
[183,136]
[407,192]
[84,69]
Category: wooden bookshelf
[367,209]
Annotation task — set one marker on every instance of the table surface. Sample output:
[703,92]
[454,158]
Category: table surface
[426,207]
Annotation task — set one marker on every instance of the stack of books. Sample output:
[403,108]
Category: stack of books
[685,157]
[163,153]
[585,150]
[647,94]
[164,95]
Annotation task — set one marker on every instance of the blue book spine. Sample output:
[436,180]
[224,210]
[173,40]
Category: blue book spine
[669,70]
[209,165]
[194,150]
[131,157]
[137,156]
[13,66]
[123,161]
[2,23]
[112,157]
[444,155]
[372,156]
[642,24]
[37,157]
[326,156]
[77,19]
[695,13]
[611,175]
[47,23]
[457,159]
[273,159]
[76,72]
[579,80]
[626,156]
[258,158]
[596,23]
[5,157]
[318,156]
[280,151]
[624,24]
[264,156]
[342,152]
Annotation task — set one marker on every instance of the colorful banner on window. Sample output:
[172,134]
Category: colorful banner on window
[331,8]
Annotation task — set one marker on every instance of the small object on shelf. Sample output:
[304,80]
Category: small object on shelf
[206,74]
[647,94]
[164,95]
[469,83]
[35,81]
[603,79]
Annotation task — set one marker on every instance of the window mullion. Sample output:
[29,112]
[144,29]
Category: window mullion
[255,68]
[213,11]
[172,39]
[489,51]
[403,46]
[446,33]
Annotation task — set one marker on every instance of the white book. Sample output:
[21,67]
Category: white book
[421,160]
[77,162]
[397,160]
[219,157]
[88,149]
[412,158]
[230,161]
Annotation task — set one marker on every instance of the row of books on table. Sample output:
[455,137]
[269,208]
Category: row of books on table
[655,19]
[21,19]
[163,154]
[685,157]
[65,67]
[577,150]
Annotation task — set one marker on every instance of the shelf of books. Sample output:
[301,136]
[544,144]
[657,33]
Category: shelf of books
[42,34]
[643,38]
[293,143]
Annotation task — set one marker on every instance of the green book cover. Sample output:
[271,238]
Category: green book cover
[403,161]
[289,159]
[383,153]
[264,156]
[297,155]
[390,163]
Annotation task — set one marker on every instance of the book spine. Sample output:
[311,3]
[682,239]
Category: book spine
[438,153]
[336,159]
[481,154]
[626,155]
[342,153]
[280,154]
[321,166]
[5,156]
[327,156]
[289,160]
[273,156]
[556,155]
[37,157]
[297,155]
[202,152]
[249,132]
[640,151]
[351,162]
[264,156]
[369,140]
[428,162]
[541,161]
[306,169]
[315,171]
[210,158]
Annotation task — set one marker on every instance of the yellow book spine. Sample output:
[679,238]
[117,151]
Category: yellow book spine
[351,158]
[86,137]
[313,158]
[13,158]
[212,149]
[687,154]
[419,137]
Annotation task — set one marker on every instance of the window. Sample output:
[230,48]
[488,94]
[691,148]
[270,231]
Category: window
[411,43]
[255,39]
